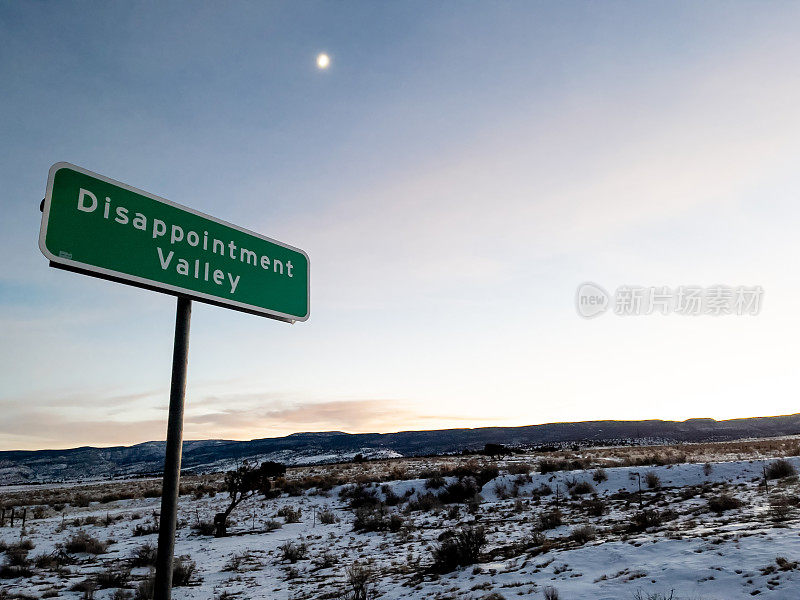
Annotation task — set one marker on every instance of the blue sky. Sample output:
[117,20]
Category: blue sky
[454,175]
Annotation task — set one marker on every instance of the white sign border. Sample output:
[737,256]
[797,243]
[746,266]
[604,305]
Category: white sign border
[157,285]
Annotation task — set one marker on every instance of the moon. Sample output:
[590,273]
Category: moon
[323,61]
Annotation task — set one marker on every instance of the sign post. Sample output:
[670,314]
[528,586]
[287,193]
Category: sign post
[103,228]
[172,459]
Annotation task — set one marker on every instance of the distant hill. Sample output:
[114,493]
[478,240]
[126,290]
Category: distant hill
[22,466]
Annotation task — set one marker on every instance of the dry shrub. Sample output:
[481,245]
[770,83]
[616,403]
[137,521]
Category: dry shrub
[645,519]
[292,552]
[424,502]
[237,560]
[327,517]
[519,468]
[581,488]
[462,490]
[723,502]
[551,465]
[435,482]
[652,480]
[549,520]
[272,524]
[780,508]
[83,542]
[183,569]
[458,549]
[201,527]
[359,495]
[377,518]
[361,580]
[481,473]
[326,560]
[113,576]
[291,514]
[144,556]
[17,563]
[550,593]
[583,534]
[780,468]
[594,507]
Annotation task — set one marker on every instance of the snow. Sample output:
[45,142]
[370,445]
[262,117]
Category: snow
[697,553]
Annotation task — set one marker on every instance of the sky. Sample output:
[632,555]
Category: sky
[454,175]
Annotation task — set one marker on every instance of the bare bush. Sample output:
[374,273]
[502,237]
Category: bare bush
[519,468]
[327,517]
[377,519]
[144,556]
[17,563]
[83,542]
[723,502]
[272,524]
[326,560]
[645,519]
[652,480]
[780,508]
[183,569]
[203,527]
[435,482]
[236,561]
[462,490]
[113,576]
[599,475]
[292,552]
[359,495]
[291,514]
[583,534]
[581,488]
[594,507]
[424,502]
[780,468]
[550,593]
[549,520]
[458,549]
[361,580]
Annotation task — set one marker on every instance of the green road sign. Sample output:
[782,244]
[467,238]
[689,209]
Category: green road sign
[100,227]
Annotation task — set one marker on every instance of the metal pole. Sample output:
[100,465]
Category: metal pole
[162,589]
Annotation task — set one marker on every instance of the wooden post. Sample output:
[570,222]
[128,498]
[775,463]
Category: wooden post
[639,475]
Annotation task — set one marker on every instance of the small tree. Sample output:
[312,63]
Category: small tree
[495,450]
[244,482]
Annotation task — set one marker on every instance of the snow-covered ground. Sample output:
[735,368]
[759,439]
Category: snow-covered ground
[687,548]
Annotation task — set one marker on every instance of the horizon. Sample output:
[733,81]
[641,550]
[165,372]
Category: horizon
[454,179]
[186,440]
